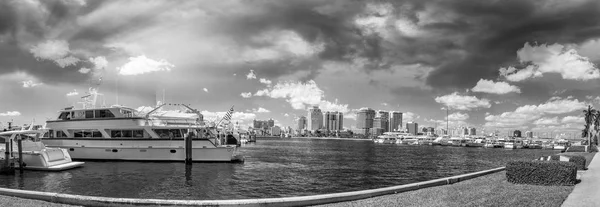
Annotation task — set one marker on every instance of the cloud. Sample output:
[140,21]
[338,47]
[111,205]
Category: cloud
[489,86]
[265,81]
[246,94]
[251,75]
[237,116]
[286,115]
[141,64]
[205,90]
[261,110]
[30,84]
[11,113]
[409,117]
[547,121]
[524,115]
[573,120]
[459,102]
[554,58]
[384,104]
[458,116]
[99,62]
[84,70]
[73,93]
[50,50]
[302,95]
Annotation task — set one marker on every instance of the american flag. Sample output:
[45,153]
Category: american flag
[228,114]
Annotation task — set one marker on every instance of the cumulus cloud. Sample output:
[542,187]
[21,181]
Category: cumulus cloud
[50,50]
[30,84]
[458,116]
[524,115]
[55,50]
[251,75]
[489,86]
[261,110]
[409,117]
[459,102]
[573,120]
[554,58]
[11,113]
[265,81]
[246,94]
[84,70]
[205,90]
[99,62]
[546,121]
[301,95]
[141,64]
[73,93]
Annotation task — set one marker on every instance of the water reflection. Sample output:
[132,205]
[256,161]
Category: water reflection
[273,168]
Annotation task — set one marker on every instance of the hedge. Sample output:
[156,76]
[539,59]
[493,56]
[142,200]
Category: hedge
[555,157]
[541,172]
[579,148]
[578,160]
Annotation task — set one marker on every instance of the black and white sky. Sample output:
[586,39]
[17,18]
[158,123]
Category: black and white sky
[511,64]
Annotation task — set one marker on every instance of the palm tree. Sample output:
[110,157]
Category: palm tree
[596,126]
[589,115]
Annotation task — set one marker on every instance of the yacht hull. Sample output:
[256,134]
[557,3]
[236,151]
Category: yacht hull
[144,150]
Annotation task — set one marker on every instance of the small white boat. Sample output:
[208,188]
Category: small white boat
[385,139]
[513,144]
[36,156]
[561,144]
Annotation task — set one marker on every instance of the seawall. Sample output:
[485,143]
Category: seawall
[286,201]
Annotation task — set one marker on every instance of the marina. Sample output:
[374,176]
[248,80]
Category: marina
[283,167]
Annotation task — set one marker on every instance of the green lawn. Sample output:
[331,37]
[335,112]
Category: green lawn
[8,201]
[489,190]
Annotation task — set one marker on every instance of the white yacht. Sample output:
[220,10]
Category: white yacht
[36,156]
[386,138]
[122,133]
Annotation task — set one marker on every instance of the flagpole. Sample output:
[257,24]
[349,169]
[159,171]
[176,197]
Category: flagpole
[231,109]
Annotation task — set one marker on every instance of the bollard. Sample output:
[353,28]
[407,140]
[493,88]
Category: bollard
[188,150]
[20,146]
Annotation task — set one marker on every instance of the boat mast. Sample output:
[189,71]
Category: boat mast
[447,132]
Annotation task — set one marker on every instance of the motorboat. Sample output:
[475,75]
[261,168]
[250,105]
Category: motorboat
[475,143]
[561,144]
[35,155]
[122,133]
[513,144]
[385,139]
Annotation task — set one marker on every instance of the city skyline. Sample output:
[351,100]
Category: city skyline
[414,57]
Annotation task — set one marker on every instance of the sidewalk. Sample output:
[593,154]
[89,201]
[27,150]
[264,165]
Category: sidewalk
[587,193]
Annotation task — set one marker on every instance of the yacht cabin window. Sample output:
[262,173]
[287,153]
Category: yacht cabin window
[60,133]
[117,133]
[168,133]
[89,114]
[104,113]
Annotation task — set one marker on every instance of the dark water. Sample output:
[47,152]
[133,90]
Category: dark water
[274,168]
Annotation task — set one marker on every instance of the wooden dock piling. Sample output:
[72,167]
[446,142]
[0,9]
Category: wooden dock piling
[188,150]
[20,146]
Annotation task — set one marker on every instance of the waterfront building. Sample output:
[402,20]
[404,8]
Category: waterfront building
[377,123]
[364,119]
[529,134]
[395,121]
[431,129]
[314,119]
[339,116]
[327,120]
[275,131]
[385,120]
[517,133]
[412,128]
[377,131]
[472,131]
[301,123]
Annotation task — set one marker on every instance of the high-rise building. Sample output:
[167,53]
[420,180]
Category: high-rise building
[395,121]
[385,120]
[271,123]
[431,129]
[364,118]
[314,118]
[377,123]
[412,128]
[340,120]
[517,133]
[529,134]
[333,121]
[327,120]
[472,131]
[302,123]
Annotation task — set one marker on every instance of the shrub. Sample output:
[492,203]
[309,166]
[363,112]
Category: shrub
[579,148]
[541,172]
[578,160]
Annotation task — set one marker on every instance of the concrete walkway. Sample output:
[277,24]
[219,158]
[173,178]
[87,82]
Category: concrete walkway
[587,193]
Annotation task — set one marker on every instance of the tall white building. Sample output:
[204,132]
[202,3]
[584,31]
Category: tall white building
[314,118]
